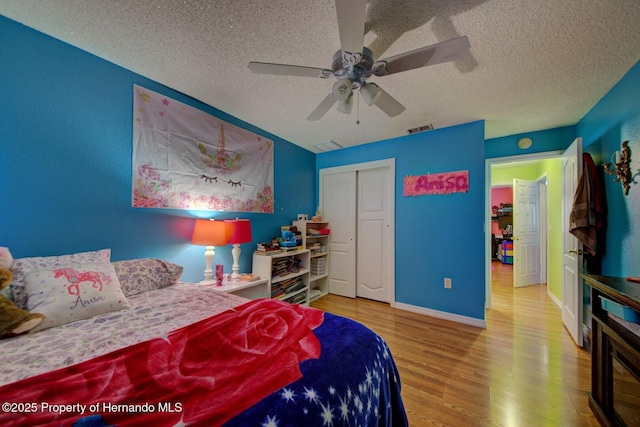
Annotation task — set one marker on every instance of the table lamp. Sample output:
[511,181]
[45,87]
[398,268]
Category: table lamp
[209,233]
[240,233]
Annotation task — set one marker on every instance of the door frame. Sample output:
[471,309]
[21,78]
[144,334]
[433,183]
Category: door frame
[544,227]
[488,163]
[376,164]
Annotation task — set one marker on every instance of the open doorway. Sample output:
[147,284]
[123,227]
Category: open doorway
[545,170]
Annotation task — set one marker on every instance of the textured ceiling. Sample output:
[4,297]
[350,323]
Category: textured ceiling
[532,65]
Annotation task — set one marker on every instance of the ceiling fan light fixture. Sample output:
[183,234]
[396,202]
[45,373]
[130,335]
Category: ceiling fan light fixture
[342,89]
[370,93]
[344,106]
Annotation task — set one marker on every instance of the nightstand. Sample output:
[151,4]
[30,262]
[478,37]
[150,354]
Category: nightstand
[252,290]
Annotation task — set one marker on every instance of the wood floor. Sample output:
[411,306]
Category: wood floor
[523,370]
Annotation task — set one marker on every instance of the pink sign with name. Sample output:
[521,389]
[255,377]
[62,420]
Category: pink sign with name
[438,183]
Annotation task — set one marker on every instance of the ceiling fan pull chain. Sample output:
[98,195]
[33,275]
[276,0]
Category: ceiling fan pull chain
[358,109]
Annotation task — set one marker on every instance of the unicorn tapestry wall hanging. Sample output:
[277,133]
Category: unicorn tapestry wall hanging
[184,158]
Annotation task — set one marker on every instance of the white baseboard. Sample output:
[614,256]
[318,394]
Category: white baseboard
[554,298]
[471,321]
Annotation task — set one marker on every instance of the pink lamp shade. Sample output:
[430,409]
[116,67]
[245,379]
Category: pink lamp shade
[240,231]
[207,232]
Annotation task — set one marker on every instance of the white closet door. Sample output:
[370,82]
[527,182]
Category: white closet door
[339,208]
[374,242]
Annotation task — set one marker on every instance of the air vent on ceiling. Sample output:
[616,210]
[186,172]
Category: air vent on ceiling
[327,146]
[421,128]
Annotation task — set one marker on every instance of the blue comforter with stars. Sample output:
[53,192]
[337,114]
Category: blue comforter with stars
[355,382]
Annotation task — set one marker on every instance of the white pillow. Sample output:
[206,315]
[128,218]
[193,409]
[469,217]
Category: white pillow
[21,266]
[69,293]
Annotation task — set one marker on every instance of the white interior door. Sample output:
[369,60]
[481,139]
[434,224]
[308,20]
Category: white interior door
[375,243]
[572,248]
[526,233]
[339,208]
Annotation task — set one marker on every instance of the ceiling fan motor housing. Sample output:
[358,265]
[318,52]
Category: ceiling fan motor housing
[358,72]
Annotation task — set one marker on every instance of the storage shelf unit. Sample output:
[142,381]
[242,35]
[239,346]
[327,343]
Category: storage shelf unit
[287,272]
[319,259]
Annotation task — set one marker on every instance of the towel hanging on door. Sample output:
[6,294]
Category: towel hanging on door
[588,214]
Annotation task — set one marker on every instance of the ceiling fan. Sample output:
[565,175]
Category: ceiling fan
[354,63]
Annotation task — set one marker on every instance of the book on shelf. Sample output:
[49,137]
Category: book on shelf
[294,288]
[301,297]
[285,266]
[315,247]
[267,247]
[276,293]
[290,248]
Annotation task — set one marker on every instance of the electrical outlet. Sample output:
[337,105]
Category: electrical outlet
[447,283]
[303,217]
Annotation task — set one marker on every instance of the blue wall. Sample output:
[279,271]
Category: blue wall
[65,161]
[616,118]
[436,236]
[542,141]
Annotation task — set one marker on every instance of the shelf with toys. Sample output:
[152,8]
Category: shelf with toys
[315,238]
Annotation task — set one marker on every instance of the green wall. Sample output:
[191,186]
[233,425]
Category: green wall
[506,175]
[552,167]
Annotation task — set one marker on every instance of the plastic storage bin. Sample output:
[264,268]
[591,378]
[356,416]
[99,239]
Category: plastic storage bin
[507,252]
[620,310]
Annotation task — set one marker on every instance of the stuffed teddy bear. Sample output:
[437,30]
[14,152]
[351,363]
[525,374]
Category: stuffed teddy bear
[13,320]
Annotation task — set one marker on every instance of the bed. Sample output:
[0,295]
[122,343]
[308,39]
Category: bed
[185,354]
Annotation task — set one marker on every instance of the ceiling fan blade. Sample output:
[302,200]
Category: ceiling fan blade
[351,16]
[322,109]
[450,50]
[388,103]
[289,70]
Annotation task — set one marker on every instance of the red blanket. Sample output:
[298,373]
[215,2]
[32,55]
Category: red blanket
[204,374]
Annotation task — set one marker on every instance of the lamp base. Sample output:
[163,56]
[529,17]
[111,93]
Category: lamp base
[209,254]
[235,268]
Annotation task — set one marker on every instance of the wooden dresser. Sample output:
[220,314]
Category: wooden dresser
[615,358]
